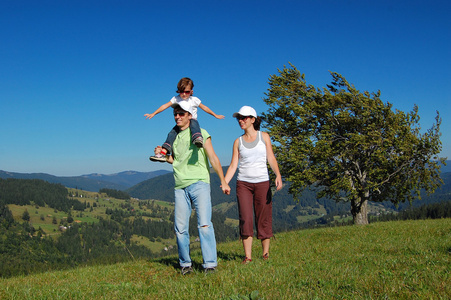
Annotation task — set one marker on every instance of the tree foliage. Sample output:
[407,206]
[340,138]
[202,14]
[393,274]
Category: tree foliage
[38,192]
[115,193]
[439,210]
[349,143]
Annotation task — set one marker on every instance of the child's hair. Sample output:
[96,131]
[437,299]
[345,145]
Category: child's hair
[184,83]
[257,123]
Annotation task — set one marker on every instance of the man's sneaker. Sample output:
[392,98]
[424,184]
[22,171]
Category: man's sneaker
[210,270]
[199,142]
[186,270]
[158,157]
[246,261]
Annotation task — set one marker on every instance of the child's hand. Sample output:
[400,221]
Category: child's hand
[220,117]
[149,116]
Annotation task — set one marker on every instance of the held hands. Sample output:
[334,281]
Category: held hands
[225,188]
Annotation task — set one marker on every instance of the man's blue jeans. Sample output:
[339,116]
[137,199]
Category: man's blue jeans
[196,196]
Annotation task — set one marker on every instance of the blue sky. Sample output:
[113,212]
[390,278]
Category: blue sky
[76,77]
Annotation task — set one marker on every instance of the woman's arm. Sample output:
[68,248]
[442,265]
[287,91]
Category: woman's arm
[233,163]
[272,160]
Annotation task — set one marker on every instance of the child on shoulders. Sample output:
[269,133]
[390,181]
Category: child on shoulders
[185,91]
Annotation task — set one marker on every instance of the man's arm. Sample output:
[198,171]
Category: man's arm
[216,164]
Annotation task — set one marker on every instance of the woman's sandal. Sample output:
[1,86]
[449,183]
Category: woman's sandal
[246,260]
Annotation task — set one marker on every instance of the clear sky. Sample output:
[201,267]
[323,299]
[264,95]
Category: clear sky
[76,77]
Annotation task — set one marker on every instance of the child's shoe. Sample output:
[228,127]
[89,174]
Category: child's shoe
[199,142]
[158,157]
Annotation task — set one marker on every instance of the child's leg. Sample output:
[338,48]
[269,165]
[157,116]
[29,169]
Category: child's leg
[167,146]
[196,135]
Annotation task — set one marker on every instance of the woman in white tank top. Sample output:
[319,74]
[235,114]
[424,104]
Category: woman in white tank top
[251,153]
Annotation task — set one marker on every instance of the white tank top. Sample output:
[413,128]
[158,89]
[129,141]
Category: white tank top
[252,167]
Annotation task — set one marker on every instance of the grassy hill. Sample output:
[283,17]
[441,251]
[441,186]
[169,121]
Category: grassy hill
[390,260]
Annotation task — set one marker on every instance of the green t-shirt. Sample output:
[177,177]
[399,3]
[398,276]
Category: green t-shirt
[190,162]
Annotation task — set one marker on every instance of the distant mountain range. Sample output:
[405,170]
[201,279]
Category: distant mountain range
[91,182]
[126,178]
[137,184]
[162,188]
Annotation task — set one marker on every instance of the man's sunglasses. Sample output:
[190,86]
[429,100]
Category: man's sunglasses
[181,114]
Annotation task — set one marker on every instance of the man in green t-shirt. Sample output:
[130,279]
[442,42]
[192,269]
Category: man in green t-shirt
[192,190]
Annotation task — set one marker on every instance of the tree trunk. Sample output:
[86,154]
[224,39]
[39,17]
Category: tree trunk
[359,210]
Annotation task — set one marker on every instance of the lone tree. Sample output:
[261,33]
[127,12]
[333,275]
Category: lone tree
[26,216]
[349,144]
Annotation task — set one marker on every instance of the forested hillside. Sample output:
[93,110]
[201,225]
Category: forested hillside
[44,226]
[160,187]
[37,192]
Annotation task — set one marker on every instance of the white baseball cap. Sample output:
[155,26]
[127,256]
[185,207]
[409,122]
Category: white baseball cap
[246,111]
[184,105]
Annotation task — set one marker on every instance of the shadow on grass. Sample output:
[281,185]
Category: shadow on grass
[229,256]
[168,261]
[173,261]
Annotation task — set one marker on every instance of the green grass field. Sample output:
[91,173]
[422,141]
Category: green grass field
[391,260]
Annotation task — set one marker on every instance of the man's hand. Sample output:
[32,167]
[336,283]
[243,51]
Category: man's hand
[157,150]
